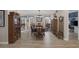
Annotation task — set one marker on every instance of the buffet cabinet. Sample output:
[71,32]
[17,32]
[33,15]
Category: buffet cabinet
[14,27]
[57,27]
[54,24]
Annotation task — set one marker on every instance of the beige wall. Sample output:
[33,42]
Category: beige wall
[64,13]
[33,20]
[78,25]
[4,31]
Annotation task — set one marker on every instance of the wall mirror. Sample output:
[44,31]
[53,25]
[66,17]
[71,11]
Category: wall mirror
[39,19]
[61,18]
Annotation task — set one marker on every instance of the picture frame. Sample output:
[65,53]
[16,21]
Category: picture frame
[2,18]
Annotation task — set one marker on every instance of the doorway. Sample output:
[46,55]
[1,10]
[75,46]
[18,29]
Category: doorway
[73,25]
[25,23]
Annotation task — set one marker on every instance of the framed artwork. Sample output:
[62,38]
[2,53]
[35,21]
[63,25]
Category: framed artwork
[2,18]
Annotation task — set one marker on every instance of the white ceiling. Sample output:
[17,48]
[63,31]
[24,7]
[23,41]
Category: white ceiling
[34,12]
[70,11]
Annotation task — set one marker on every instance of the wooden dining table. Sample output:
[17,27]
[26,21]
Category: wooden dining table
[39,31]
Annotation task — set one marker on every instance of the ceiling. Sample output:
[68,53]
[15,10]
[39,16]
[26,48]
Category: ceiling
[70,11]
[34,12]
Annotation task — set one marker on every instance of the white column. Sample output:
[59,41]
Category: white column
[26,23]
[66,24]
[35,20]
[29,24]
[78,25]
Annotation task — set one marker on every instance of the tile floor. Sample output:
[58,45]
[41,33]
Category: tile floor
[73,36]
[48,41]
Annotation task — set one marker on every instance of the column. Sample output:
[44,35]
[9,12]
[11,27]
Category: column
[26,23]
[66,24]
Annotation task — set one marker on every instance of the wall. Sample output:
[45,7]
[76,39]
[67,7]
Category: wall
[78,25]
[44,20]
[64,13]
[4,31]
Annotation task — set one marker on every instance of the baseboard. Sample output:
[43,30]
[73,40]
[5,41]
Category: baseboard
[3,42]
[66,39]
[26,31]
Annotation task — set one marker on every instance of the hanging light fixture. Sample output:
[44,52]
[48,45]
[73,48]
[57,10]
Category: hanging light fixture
[56,11]
[39,13]
[39,10]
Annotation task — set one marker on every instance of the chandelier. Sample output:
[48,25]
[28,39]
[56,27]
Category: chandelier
[39,13]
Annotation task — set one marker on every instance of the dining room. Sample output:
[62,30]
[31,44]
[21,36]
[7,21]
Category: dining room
[43,28]
[37,23]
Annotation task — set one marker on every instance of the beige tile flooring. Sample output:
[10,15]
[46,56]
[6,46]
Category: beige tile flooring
[49,41]
[73,36]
